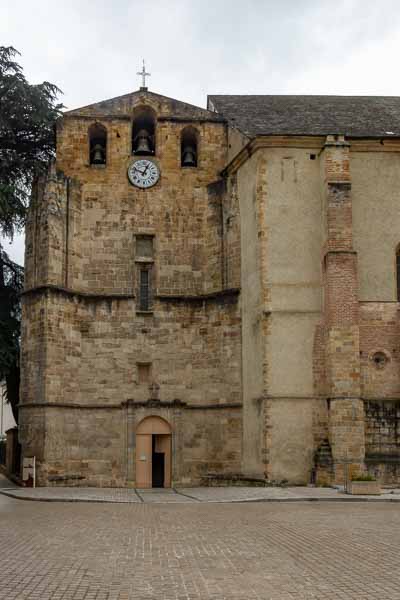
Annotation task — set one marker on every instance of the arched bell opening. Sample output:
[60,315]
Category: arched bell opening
[189,147]
[153,453]
[97,144]
[144,132]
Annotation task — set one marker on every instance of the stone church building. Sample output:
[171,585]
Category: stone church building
[214,293]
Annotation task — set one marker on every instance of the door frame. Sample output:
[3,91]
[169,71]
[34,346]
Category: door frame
[149,426]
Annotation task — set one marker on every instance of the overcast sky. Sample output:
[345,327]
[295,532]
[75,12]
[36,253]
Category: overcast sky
[93,49]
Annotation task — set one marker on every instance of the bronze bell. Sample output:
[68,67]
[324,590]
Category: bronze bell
[189,157]
[98,155]
[143,142]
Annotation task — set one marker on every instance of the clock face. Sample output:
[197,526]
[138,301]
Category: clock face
[143,173]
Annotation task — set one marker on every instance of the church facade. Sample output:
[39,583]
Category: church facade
[213,294]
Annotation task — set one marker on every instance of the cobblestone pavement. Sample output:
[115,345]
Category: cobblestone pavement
[196,551]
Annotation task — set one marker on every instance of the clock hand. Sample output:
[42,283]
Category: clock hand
[139,171]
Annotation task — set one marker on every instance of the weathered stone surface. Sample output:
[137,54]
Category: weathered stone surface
[367,488]
[259,341]
[83,337]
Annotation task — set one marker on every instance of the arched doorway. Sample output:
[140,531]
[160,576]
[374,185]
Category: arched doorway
[153,453]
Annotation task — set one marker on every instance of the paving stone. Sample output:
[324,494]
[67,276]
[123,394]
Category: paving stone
[164,496]
[199,551]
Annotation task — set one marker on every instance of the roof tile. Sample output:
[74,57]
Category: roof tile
[353,116]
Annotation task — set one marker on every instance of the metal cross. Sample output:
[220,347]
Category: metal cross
[144,75]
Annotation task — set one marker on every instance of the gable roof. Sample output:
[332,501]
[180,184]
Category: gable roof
[353,116]
[122,106]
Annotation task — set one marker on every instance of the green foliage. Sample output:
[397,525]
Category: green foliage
[11,282]
[27,143]
[27,137]
[363,477]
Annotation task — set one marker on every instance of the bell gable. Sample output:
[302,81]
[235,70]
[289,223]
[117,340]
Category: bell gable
[124,106]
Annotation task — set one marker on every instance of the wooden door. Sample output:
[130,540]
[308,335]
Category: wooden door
[143,460]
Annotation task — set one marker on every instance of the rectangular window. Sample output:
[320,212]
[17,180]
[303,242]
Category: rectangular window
[144,261]
[144,289]
[144,372]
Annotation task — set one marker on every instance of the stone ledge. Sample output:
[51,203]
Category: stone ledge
[179,404]
[68,405]
[230,292]
[70,292]
[198,297]
[66,477]
[139,404]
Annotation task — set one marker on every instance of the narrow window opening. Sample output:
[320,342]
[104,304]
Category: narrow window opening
[144,289]
[97,144]
[189,146]
[143,133]
[144,259]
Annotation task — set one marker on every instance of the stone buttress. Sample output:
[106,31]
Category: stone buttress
[346,410]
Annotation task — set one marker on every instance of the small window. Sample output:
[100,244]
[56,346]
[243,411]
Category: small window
[398,273]
[144,289]
[143,132]
[144,372]
[189,147]
[144,246]
[97,144]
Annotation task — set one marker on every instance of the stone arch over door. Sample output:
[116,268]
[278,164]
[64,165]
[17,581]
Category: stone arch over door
[153,453]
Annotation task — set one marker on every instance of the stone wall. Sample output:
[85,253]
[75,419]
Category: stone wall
[84,339]
[243,185]
[93,348]
[375,172]
[95,446]
[279,191]
[177,211]
[380,381]
[329,358]
[380,350]
[205,440]
[267,297]
[382,439]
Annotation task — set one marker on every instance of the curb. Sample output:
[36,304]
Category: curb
[197,501]
[94,500]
